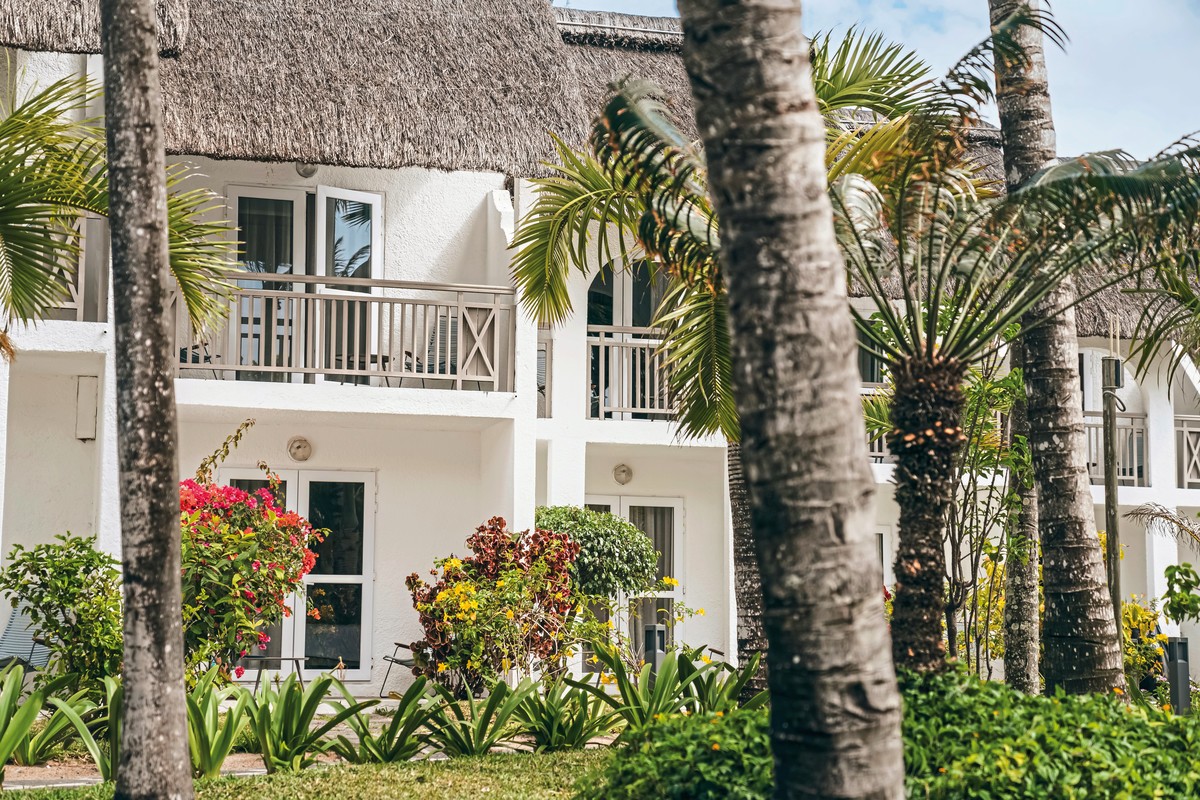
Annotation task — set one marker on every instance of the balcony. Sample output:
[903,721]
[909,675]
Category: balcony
[312,329]
[628,374]
[1187,452]
[1132,458]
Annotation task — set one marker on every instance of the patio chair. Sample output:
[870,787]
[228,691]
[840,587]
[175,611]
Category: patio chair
[395,660]
[18,645]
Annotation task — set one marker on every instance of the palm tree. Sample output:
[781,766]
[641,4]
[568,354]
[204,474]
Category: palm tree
[882,81]
[835,712]
[154,756]
[52,171]
[949,270]
[1082,651]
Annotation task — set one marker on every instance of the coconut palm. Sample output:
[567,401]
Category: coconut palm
[796,388]
[949,270]
[53,171]
[867,89]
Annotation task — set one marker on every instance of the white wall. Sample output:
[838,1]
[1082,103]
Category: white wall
[51,477]
[429,492]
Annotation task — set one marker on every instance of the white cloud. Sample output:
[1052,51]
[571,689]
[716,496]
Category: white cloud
[1126,79]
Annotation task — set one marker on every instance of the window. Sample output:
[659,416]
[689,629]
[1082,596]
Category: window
[661,520]
[340,584]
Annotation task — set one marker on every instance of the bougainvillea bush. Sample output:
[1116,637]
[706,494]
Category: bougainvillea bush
[505,606]
[242,557]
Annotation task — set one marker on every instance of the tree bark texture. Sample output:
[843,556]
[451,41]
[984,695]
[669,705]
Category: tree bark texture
[1022,606]
[154,760]
[751,639]
[926,438]
[1081,648]
[835,711]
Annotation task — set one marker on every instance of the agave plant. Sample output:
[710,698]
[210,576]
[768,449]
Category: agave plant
[719,686]
[39,746]
[642,696]
[105,723]
[399,740]
[474,726]
[563,717]
[16,717]
[212,733]
[283,720]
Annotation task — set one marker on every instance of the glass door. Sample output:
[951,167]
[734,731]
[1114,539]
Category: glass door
[338,629]
[268,330]
[282,634]
[661,519]
[348,244]
[626,377]
[340,587]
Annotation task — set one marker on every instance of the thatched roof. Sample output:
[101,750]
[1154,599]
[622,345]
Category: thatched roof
[602,48]
[73,26]
[445,84]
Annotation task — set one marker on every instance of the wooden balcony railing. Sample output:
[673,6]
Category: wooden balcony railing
[628,376]
[1187,452]
[87,278]
[1132,456]
[308,328]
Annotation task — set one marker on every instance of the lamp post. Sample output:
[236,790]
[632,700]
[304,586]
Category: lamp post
[1112,379]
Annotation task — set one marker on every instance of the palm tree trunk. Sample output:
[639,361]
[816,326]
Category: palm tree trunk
[926,438]
[835,710]
[1022,615]
[751,640]
[154,760]
[1081,649]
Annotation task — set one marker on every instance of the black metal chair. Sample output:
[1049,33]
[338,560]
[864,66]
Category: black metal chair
[395,660]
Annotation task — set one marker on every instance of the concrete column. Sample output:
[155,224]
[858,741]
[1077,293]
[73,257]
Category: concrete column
[565,471]
[108,491]
[5,375]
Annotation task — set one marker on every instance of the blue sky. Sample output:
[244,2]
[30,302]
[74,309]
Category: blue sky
[1126,79]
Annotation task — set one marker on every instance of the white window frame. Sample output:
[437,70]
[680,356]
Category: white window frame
[299,198]
[297,482]
[620,505]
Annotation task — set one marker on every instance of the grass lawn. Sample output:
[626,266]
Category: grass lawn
[504,776]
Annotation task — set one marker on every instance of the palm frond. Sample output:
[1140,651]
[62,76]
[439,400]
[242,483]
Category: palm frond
[581,206]
[1164,521]
[866,72]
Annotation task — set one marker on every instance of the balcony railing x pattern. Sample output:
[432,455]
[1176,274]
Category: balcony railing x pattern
[1132,457]
[310,329]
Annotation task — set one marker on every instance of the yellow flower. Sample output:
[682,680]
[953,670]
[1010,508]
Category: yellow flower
[716,746]
[453,563]
[509,614]
[700,611]
[1118,690]
[594,659]
[499,583]
[441,595]
[442,666]
[706,659]
[669,581]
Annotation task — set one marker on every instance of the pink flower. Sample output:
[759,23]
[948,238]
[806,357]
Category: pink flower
[239,671]
[255,565]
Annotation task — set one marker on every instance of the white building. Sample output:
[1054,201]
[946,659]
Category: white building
[373,159]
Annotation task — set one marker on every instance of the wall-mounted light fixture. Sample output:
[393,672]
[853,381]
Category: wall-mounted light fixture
[622,474]
[299,449]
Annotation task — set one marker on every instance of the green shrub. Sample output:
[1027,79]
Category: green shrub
[966,739]
[212,733]
[72,594]
[473,727]
[399,740]
[16,717]
[283,720]
[700,757]
[615,557]
[640,699]
[101,735]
